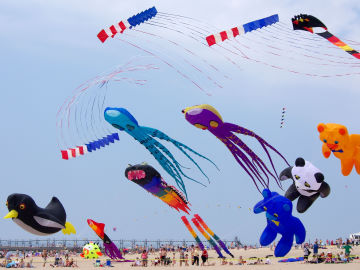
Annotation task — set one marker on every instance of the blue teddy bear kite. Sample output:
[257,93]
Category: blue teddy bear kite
[279,220]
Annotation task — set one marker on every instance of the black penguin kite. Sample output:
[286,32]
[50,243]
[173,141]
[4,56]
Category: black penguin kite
[36,220]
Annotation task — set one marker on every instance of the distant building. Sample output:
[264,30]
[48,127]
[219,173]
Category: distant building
[355,237]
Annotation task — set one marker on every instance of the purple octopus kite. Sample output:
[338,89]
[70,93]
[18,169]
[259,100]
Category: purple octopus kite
[207,117]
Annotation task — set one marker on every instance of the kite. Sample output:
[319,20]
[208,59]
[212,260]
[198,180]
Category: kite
[206,117]
[279,220]
[110,248]
[213,235]
[129,23]
[36,220]
[193,233]
[89,147]
[150,179]
[91,251]
[121,119]
[282,117]
[208,238]
[236,31]
[308,23]
[344,146]
[308,184]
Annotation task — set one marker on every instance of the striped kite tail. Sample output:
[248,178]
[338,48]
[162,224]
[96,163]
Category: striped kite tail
[337,42]
[193,233]
[217,238]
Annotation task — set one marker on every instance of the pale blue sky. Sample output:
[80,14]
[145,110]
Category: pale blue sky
[48,49]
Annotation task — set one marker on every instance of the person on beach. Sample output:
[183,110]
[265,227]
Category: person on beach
[241,261]
[173,259]
[316,248]
[204,257]
[182,256]
[306,252]
[144,258]
[186,259]
[163,254]
[347,248]
[44,255]
[196,257]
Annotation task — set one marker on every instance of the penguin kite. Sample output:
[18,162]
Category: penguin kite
[36,220]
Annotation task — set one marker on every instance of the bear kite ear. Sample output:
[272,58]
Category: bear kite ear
[321,127]
[343,131]
[299,162]
[319,177]
[266,193]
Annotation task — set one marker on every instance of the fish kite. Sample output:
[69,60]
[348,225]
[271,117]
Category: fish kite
[150,179]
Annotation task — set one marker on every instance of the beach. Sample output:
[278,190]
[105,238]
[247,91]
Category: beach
[250,256]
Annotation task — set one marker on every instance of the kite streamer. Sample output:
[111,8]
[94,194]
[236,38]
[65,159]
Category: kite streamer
[129,23]
[282,117]
[213,235]
[208,238]
[236,31]
[308,23]
[193,233]
[89,147]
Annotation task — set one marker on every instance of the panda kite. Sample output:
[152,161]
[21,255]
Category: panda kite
[307,186]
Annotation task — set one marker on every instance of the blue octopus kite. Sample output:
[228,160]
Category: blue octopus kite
[123,120]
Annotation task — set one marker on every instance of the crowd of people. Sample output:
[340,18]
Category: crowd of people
[18,259]
[180,256]
[329,257]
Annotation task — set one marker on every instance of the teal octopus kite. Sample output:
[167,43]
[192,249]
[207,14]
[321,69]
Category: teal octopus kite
[123,120]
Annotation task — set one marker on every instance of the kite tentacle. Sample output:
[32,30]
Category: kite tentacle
[259,163]
[158,145]
[162,136]
[241,155]
[263,143]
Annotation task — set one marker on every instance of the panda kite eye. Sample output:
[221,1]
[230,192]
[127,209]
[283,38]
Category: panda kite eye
[297,177]
[22,206]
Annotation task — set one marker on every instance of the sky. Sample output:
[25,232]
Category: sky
[48,49]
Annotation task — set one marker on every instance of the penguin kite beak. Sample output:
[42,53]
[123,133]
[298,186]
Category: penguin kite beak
[12,214]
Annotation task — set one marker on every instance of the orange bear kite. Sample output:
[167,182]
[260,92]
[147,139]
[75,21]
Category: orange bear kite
[344,146]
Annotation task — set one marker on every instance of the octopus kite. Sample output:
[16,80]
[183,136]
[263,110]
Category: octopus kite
[123,120]
[206,117]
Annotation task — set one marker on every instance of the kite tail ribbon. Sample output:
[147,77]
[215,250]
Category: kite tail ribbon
[213,235]
[193,233]
[208,238]
[112,251]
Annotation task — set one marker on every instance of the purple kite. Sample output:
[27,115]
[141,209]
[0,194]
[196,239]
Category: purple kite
[206,117]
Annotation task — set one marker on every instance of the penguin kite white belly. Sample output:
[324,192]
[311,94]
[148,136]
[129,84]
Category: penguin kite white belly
[36,220]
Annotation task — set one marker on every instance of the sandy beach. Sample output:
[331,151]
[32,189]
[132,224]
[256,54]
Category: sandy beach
[215,263]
